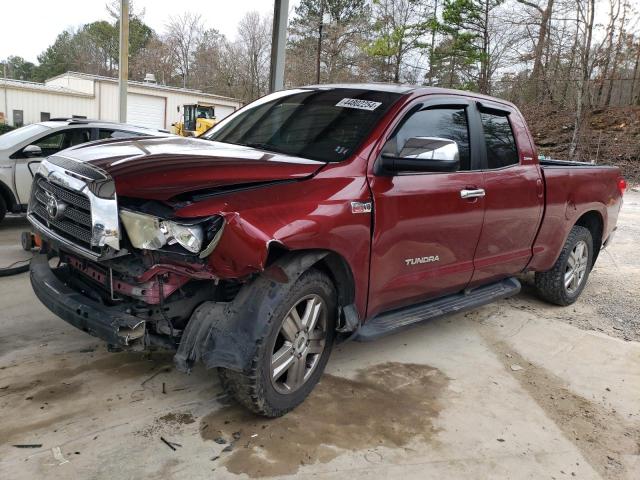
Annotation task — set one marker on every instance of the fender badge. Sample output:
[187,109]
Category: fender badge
[361,207]
[420,260]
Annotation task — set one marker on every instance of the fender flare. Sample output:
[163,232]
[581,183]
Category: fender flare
[226,334]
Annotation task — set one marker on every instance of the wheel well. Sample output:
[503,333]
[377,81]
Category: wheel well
[334,265]
[593,222]
[7,196]
[340,273]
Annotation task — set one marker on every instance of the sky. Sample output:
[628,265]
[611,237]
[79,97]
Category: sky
[29,27]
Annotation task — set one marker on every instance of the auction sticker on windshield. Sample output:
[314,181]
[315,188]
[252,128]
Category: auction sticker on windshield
[359,104]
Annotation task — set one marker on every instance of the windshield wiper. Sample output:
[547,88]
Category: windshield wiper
[264,146]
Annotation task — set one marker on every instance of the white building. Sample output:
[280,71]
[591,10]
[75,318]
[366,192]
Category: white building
[96,97]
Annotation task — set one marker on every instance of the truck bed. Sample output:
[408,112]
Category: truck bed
[570,190]
[552,162]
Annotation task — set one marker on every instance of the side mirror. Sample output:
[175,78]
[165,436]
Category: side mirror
[31,151]
[424,154]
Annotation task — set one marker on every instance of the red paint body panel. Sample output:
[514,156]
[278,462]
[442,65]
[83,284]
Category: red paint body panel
[513,210]
[309,214]
[521,223]
[160,168]
[570,193]
[421,216]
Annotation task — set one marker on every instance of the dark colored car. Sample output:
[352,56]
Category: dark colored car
[310,215]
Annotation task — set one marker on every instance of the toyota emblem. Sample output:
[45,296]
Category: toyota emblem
[55,209]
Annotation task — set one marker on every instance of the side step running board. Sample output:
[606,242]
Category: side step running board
[396,320]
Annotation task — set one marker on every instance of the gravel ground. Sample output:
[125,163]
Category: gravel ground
[615,290]
[610,303]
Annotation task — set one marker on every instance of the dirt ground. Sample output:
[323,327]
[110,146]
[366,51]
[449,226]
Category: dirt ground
[518,389]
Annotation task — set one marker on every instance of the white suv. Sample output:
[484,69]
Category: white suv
[22,150]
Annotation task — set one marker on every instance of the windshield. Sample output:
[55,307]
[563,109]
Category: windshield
[326,125]
[205,112]
[19,135]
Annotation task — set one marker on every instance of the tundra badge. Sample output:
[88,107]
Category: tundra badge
[419,260]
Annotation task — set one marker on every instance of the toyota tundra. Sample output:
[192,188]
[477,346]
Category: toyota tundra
[309,216]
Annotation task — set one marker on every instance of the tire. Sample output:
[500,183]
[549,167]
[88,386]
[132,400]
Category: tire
[552,285]
[3,209]
[274,397]
[26,239]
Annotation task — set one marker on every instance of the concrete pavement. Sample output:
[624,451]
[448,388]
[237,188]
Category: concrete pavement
[518,389]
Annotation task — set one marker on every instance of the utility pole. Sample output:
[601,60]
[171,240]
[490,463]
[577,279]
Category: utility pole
[278,44]
[6,103]
[123,67]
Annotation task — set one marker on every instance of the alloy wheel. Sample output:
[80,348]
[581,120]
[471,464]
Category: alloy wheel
[299,344]
[576,268]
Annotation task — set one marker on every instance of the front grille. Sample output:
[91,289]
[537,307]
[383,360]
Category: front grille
[74,223]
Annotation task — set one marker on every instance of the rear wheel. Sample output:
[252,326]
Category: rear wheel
[293,352]
[564,283]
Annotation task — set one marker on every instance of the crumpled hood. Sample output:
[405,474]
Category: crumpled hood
[160,168]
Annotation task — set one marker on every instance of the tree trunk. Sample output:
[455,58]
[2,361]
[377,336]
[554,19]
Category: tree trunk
[484,61]
[572,60]
[537,72]
[396,71]
[433,43]
[319,51]
[607,53]
[583,91]
[635,96]
[616,55]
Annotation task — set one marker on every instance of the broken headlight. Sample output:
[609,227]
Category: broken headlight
[152,233]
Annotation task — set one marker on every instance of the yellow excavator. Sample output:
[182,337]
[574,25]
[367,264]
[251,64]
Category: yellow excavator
[196,119]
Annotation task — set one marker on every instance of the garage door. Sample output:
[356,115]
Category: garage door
[145,110]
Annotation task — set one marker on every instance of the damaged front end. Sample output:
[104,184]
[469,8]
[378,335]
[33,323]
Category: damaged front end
[119,269]
[130,302]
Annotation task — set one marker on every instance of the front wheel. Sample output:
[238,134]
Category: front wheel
[293,352]
[564,283]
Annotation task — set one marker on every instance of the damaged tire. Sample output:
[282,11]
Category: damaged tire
[293,351]
[564,283]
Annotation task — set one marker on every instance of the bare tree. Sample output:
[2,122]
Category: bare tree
[586,11]
[254,40]
[399,28]
[543,11]
[184,34]
[155,58]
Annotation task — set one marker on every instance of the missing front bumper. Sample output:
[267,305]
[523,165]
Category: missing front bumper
[110,323]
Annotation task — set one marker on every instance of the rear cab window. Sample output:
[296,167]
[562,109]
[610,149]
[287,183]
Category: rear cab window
[499,140]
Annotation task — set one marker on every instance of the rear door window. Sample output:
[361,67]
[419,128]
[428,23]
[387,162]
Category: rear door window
[499,139]
[107,133]
[77,136]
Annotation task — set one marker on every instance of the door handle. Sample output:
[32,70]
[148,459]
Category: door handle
[478,192]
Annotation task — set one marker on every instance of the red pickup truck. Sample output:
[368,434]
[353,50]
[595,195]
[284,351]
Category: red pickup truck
[309,216]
